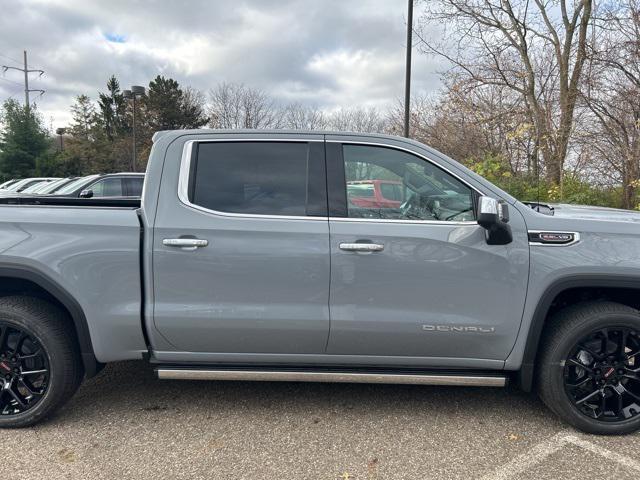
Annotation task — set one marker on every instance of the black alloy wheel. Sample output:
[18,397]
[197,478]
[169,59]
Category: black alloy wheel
[602,374]
[24,370]
[588,367]
[40,363]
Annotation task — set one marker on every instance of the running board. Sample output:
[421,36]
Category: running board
[337,377]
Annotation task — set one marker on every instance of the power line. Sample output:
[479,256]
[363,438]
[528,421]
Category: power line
[9,58]
[12,88]
[10,81]
[26,71]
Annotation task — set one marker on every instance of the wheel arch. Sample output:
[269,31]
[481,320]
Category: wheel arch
[23,276]
[555,291]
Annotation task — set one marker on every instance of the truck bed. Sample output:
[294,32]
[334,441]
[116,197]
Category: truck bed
[90,250]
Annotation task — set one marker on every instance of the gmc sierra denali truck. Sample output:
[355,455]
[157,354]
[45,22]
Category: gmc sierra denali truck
[246,259]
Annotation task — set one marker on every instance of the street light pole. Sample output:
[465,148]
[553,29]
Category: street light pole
[61,132]
[407,81]
[135,154]
[135,92]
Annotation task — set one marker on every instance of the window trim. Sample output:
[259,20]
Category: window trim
[185,173]
[389,220]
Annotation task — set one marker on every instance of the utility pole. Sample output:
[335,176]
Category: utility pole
[407,81]
[26,80]
[26,72]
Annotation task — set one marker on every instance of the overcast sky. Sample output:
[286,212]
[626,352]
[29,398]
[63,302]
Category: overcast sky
[329,53]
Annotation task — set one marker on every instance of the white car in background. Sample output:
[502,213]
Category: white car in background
[8,183]
[20,186]
[44,188]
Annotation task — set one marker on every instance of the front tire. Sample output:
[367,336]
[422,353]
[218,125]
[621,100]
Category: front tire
[40,365]
[589,367]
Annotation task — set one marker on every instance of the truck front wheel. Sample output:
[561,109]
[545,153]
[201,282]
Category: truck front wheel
[40,366]
[589,367]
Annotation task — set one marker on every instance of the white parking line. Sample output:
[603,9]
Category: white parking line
[527,460]
[532,457]
[616,457]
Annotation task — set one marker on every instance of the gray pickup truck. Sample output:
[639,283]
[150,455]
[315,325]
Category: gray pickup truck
[248,258]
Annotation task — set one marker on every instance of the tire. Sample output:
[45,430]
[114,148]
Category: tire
[575,329]
[51,338]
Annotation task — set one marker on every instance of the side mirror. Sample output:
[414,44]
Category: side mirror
[493,216]
[86,193]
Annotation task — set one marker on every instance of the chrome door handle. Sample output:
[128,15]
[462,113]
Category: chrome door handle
[362,247]
[185,243]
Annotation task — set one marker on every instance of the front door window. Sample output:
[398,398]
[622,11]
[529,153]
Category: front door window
[391,184]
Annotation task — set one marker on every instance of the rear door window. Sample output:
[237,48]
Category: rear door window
[259,178]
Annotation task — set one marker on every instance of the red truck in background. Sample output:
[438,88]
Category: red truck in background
[375,193]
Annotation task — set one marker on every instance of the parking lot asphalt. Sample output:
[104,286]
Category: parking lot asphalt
[126,424]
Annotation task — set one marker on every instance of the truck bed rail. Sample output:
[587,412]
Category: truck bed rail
[122,202]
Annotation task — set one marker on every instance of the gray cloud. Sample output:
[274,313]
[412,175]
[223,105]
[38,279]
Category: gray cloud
[331,54]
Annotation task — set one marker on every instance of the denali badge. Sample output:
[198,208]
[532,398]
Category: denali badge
[553,238]
[457,329]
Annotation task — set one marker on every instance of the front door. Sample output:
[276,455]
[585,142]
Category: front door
[241,248]
[411,272]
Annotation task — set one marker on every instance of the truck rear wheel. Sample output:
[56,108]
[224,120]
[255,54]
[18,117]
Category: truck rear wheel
[40,366]
[589,369]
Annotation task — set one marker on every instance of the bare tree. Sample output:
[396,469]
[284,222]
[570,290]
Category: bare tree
[234,106]
[612,130]
[535,48]
[421,117]
[300,117]
[367,120]
[471,124]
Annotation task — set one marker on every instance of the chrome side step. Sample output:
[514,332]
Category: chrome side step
[338,377]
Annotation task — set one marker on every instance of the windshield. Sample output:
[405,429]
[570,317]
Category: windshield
[52,186]
[15,186]
[33,188]
[73,186]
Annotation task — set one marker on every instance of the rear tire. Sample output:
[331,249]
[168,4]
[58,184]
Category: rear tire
[35,336]
[587,353]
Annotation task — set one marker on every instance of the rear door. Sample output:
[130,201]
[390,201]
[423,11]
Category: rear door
[241,247]
[417,278]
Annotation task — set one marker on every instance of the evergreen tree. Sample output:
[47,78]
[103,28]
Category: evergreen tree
[169,107]
[23,139]
[89,146]
[84,117]
[194,109]
[113,109]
